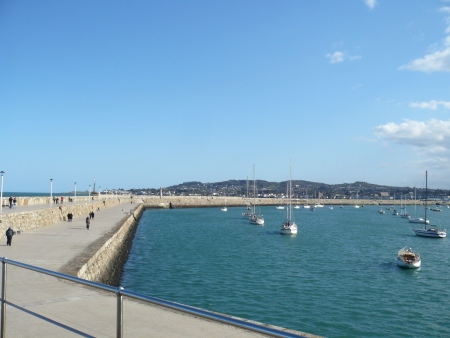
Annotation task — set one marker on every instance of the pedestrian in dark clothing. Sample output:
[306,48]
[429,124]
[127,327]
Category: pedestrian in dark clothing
[10,201]
[69,217]
[92,214]
[88,222]
[9,235]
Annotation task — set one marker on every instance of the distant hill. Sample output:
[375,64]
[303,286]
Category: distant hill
[300,188]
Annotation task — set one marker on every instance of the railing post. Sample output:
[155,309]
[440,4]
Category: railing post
[119,312]
[3,304]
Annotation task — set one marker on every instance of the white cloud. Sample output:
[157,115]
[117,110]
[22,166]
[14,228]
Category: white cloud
[438,61]
[370,3]
[433,104]
[338,56]
[429,138]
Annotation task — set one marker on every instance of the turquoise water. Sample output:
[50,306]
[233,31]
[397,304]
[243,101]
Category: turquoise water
[337,277]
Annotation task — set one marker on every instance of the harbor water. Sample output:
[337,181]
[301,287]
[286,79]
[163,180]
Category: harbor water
[336,278]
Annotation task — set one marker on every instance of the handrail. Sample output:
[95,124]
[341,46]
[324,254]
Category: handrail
[120,292]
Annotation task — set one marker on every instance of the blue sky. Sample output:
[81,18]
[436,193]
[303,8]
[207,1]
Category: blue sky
[147,94]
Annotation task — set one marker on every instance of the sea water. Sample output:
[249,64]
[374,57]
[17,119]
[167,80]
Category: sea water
[337,277]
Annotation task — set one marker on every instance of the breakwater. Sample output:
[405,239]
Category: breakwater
[103,260]
[154,202]
[31,219]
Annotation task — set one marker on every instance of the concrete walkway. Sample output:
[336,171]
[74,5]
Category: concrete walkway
[57,308]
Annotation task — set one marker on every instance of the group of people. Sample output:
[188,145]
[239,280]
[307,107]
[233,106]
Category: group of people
[56,200]
[12,202]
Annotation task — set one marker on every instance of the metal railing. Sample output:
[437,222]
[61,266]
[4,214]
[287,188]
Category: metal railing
[120,292]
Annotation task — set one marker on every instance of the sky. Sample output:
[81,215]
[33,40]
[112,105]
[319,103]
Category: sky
[148,94]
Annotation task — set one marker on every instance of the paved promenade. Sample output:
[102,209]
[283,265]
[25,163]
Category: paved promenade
[80,310]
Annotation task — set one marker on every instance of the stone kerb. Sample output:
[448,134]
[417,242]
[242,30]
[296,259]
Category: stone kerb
[105,264]
[28,220]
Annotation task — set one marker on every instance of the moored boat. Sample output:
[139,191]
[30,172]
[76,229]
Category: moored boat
[289,227]
[406,258]
[433,231]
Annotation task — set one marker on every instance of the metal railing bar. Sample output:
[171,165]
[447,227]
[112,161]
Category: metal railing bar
[61,275]
[51,321]
[161,302]
[212,316]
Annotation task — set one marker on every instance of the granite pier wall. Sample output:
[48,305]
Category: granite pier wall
[108,254]
[218,202]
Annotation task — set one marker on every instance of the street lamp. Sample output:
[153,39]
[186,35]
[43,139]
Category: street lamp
[1,194]
[51,182]
[75,192]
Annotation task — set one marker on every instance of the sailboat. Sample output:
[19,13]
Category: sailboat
[356,205]
[225,207]
[254,218]
[306,205]
[433,231]
[248,213]
[289,227]
[418,220]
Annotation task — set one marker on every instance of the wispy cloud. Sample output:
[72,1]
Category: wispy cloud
[429,138]
[370,3]
[433,104]
[339,56]
[439,60]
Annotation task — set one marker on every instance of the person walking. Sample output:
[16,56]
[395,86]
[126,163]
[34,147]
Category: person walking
[88,222]
[14,203]
[9,234]
[10,201]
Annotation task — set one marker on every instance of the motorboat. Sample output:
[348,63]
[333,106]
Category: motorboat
[296,206]
[331,208]
[306,206]
[408,259]
[279,207]
[395,213]
[436,209]
[381,211]
[224,209]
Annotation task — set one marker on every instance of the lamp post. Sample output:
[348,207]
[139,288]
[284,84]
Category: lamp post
[1,194]
[75,192]
[94,185]
[51,182]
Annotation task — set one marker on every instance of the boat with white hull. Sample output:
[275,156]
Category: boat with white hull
[255,218]
[408,259]
[289,227]
[433,231]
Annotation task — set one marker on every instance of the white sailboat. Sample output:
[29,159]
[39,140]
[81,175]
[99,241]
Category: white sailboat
[306,206]
[289,227]
[433,231]
[225,207]
[248,213]
[255,218]
[356,205]
[417,220]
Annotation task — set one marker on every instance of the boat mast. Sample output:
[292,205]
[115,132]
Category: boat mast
[254,191]
[290,190]
[426,197]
